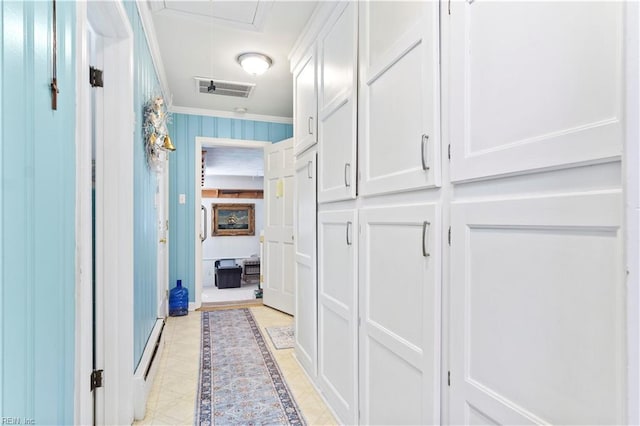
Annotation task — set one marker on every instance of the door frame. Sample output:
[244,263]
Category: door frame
[203,141]
[115,212]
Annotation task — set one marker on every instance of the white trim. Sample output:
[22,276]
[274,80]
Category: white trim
[150,361]
[227,114]
[114,212]
[198,258]
[631,160]
[154,48]
[257,25]
[311,31]
[83,408]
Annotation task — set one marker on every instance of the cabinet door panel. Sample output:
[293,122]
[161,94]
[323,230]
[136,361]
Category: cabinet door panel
[338,314]
[400,311]
[538,311]
[305,103]
[305,320]
[399,97]
[536,99]
[337,128]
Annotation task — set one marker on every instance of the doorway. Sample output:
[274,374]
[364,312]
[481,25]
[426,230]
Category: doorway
[209,191]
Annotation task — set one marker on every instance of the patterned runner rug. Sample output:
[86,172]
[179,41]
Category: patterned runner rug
[240,382]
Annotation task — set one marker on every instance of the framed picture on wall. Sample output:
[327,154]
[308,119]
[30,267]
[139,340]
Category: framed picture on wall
[233,220]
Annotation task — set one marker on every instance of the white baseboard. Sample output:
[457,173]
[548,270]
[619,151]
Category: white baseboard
[194,305]
[147,369]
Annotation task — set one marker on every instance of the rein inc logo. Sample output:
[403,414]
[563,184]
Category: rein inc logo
[17,421]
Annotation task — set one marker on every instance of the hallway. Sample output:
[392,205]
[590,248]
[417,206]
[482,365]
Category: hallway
[172,399]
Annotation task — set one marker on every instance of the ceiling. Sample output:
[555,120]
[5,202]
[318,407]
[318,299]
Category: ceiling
[232,161]
[204,38]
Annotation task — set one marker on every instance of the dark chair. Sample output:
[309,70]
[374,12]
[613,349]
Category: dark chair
[227,273]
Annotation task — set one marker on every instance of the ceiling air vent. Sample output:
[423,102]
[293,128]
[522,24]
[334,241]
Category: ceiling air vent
[224,88]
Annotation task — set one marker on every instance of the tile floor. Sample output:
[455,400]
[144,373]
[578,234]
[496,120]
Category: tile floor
[173,396]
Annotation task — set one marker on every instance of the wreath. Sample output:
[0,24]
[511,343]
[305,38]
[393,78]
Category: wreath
[156,135]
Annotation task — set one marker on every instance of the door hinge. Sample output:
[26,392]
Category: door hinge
[449,238]
[448,378]
[95,77]
[449,151]
[96,379]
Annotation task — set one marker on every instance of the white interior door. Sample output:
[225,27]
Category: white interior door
[305,317]
[278,285]
[338,115]
[538,311]
[399,135]
[305,94]
[536,99]
[400,315]
[338,312]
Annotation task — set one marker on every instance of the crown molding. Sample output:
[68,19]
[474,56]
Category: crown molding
[228,114]
[152,41]
[311,30]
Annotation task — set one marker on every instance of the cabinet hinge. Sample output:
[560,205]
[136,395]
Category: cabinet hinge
[96,379]
[449,238]
[448,378]
[95,77]
[449,151]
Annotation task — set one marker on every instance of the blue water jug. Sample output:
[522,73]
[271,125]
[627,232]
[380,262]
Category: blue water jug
[179,300]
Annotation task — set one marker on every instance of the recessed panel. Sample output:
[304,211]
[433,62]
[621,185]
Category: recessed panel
[474,417]
[336,261]
[396,118]
[274,160]
[543,319]
[337,57]
[396,271]
[543,69]
[288,200]
[274,206]
[336,354]
[395,394]
[288,267]
[388,21]
[305,318]
[337,140]
[274,270]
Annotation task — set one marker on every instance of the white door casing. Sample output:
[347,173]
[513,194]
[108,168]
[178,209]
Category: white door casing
[114,130]
[306,300]
[199,227]
[338,312]
[337,98]
[278,286]
[399,130]
[400,314]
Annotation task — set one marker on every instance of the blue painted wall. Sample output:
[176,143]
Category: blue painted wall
[183,130]
[146,84]
[37,214]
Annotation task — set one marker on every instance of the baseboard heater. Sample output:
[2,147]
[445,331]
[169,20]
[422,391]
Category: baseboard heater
[146,370]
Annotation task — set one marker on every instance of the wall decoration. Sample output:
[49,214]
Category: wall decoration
[156,136]
[233,219]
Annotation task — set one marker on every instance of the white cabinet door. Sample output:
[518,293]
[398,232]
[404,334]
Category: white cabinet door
[525,94]
[399,136]
[538,311]
[305,105]
[338,312]
[277,264]
[337,127]
[305,316]
[400,315]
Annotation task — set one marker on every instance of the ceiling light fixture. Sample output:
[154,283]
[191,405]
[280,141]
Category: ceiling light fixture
[254,63]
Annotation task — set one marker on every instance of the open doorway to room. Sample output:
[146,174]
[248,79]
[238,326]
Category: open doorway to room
[231,207]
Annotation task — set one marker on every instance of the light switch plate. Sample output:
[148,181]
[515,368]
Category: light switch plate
[182,199]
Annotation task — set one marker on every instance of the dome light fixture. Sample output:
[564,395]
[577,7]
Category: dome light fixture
[254,63]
